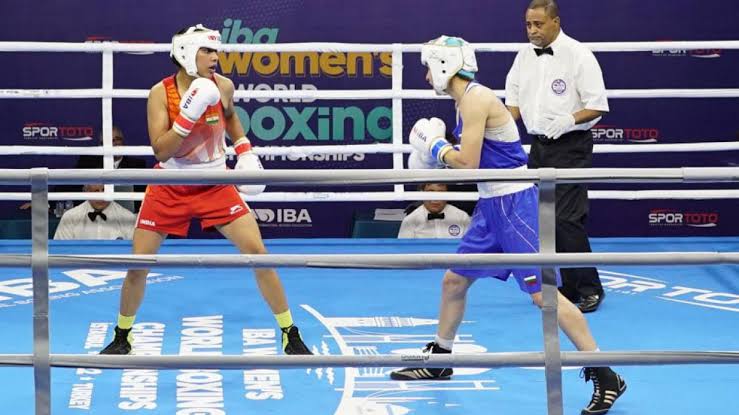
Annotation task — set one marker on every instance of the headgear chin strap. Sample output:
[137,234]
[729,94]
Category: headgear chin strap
[185,46]
[448,56]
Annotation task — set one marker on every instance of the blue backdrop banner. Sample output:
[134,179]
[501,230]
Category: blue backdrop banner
[296,122]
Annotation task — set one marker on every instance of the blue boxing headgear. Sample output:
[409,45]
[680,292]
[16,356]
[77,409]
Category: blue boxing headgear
[448,56]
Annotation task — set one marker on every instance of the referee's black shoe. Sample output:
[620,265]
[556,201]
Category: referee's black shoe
[591,302]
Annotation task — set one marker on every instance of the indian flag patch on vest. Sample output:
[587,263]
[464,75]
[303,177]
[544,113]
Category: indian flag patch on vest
[530,280]
[212,119]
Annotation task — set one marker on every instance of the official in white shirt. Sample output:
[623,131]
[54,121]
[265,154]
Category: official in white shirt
[435,218]
[96,219]
[556,86]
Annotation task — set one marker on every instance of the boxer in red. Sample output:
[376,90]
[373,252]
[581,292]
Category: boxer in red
[188,116]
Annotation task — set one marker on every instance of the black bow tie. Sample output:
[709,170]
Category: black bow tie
[433,216]
[94,214]
[544,51]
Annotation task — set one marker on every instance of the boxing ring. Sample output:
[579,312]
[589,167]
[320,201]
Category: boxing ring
[220,348]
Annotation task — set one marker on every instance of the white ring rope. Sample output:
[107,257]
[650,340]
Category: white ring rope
[383,261]
[353,47]
[373,176]
[307,151]
[108,93]
[349,94]
[491,360]
[297,152]
[329,177]
[295,197]
[397,50]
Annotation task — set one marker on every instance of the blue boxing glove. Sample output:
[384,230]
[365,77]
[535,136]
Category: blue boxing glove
[427,137]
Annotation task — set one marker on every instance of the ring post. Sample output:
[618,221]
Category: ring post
[547,229]
[40,272]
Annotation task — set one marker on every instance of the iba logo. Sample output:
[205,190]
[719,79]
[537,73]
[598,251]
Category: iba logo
[283,217]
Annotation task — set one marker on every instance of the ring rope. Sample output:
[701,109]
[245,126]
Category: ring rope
[353,47]
[384,261]
[373,177]
[489,360]
[40,179]
[293,197]
[378,148]
[353,94]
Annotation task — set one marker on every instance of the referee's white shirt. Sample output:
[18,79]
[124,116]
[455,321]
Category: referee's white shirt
[417,225]
[75,224]
[549,85]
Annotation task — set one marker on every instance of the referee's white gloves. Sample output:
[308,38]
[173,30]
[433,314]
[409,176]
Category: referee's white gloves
[558,125]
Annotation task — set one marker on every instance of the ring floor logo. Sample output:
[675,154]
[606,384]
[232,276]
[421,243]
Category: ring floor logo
[676,218]
[74,283]
[638,285]
[34,130]
[370,390]
[341,391]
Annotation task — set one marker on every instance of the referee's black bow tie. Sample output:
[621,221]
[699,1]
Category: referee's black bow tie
[544,51]
[433,216]
[94,214]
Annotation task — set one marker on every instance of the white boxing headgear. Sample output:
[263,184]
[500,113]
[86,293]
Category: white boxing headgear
[448,56]
[185,46]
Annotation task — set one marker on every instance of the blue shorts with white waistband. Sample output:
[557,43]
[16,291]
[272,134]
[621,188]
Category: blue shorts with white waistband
[505,224]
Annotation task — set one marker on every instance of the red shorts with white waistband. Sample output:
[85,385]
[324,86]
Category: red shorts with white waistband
[169,209]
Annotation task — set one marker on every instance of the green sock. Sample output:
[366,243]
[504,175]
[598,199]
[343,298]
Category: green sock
[125,322]
[284,319]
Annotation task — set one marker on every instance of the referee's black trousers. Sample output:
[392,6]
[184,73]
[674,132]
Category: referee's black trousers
[572,150]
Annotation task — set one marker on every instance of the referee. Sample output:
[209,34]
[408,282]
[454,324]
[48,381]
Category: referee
[556,86]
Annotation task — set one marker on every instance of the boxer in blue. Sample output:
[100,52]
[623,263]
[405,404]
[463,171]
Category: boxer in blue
[506,217]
